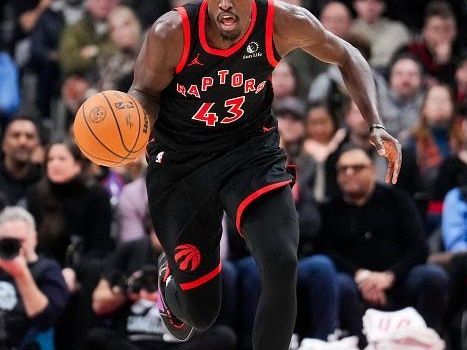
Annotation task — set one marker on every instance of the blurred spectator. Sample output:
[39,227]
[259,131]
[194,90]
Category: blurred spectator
[149,10]
[285,80]
[336,18]
[44,50]
[290,113]
[329,87]
[386,36]
[18,171]
[115,70]
[128,292]
[322,139]
[460,88]
[437,49]
[379,247]
[69,210]
[431,139]
[73,218]
[9,88]
[401,103]
[454,168]
[132,211]
[357,135]
[33,292]
[454,224]
[82,43]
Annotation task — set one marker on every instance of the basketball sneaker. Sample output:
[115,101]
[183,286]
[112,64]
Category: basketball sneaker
[177,328]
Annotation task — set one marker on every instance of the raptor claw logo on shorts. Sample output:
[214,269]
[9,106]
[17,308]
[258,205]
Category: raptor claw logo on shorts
[187,257]
[97,114]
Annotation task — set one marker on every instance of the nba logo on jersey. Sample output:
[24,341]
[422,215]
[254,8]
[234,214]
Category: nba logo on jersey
[159,157]
[252,50]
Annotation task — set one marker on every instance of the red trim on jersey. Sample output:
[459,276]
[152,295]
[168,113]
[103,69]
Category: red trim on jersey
[186,39]
[231,50]
[255,195]
[270,34]
[203,279]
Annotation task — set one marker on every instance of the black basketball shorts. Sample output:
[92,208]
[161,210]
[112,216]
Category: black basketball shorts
[188,194]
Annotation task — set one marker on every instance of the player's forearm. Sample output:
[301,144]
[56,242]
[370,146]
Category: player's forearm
[360,84]
[150,103]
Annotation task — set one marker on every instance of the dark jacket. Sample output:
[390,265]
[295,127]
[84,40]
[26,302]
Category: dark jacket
[384,234]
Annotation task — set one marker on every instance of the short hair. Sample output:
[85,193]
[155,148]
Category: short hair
[350,147]
[18,214]
[23,117]
[405,56]
[439,9]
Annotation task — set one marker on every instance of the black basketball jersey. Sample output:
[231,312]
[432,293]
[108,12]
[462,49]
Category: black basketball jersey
[219,98]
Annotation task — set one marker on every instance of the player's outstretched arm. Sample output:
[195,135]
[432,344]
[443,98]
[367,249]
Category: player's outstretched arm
[156,62]
[295,27]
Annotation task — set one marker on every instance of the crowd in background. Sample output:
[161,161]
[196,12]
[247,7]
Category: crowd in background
[86,277]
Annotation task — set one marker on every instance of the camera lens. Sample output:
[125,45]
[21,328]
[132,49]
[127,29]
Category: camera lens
[9,248]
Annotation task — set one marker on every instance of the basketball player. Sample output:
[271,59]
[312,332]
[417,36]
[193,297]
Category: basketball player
[204,78]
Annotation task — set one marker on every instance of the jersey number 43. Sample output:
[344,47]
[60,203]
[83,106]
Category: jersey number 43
[234,106]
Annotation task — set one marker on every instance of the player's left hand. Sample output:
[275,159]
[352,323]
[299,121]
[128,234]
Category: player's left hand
[15,267]
[387,146]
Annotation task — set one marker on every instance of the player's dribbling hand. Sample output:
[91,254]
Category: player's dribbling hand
[387,146]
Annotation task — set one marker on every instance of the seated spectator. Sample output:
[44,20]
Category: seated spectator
[436,49]
[430,141]
[401,103]
[127,293]
[329,87]
[357,135]
[82,43]
[290,113]
[9,88]
[115,70]
[461,86]
[73,217]
[44,53]
[285,81]
[33,291]
[322,139]
[18,171]
[386,36]
[336,18]
[132,211]
[379,247]
[454,225]
[454,168]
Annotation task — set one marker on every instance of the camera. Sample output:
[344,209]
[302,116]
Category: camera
[9,248]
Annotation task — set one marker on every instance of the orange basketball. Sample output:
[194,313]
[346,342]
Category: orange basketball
[111,128]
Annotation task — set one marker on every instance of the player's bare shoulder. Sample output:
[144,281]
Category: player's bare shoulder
[167,34]
[294,27]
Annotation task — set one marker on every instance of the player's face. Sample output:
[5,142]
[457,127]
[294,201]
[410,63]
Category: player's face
[231,17]
[61,166]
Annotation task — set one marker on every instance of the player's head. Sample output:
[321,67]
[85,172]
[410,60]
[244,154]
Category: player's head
[231,17]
